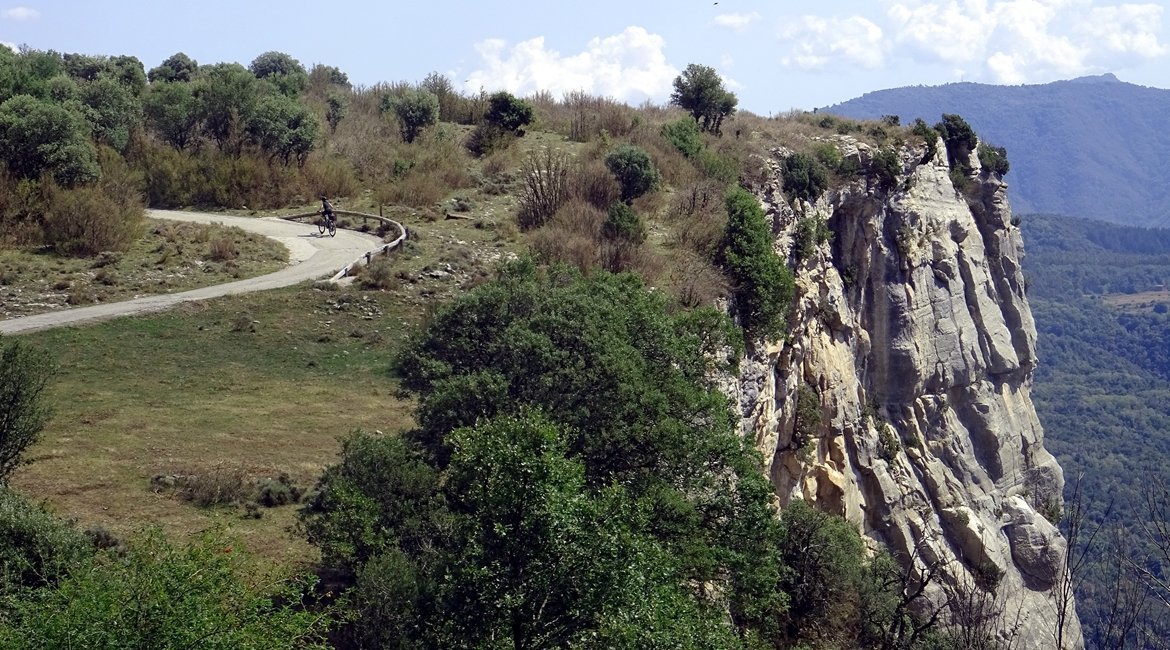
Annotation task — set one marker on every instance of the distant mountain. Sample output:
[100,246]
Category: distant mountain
[1091,147]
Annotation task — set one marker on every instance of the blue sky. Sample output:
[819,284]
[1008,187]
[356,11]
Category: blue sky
[775,55]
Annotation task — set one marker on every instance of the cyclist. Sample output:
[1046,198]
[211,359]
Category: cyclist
[326,208]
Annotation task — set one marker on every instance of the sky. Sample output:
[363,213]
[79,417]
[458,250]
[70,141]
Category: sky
[775,55]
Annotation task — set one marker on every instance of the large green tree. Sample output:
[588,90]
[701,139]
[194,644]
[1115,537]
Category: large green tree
[283,127]
[171,111]
[415,110]
[177,67]
[566,421]
[699,90]
[42,137]
[225,95]
[283,71]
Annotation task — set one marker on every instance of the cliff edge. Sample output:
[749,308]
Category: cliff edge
[900,398]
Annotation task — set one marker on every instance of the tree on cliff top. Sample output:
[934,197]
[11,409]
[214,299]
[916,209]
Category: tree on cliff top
[700,91]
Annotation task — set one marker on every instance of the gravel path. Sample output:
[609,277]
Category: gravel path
[311,256]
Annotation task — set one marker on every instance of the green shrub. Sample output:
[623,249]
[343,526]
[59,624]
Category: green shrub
[508,112]
[887,165]
[928,135]
[622,223]
[36,548]
[85,221]
[810,233]
[159,595]
[804,177]
[634,171]
[888,446]
[763,285]
[684,135]
[718,167]
[993,159]
[24,373]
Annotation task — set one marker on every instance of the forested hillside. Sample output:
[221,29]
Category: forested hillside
[1102,388]
[1090,147]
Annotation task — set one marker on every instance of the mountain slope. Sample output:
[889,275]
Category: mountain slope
[1090,147]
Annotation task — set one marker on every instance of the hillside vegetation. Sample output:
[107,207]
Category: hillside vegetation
[1112,170]
[1102,393]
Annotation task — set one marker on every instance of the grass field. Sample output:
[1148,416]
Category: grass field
[169,257]
[262,384]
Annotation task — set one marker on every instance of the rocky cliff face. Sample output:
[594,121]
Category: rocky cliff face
[913,347]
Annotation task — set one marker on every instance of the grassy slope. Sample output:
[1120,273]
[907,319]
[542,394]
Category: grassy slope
[263,383]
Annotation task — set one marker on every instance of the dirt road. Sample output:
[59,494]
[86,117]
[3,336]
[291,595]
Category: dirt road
[310,256]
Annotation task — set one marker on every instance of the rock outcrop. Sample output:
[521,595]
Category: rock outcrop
[913,335]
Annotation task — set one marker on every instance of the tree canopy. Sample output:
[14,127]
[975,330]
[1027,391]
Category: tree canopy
[699,90]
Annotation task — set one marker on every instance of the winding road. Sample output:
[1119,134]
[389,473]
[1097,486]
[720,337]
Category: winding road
[310,256]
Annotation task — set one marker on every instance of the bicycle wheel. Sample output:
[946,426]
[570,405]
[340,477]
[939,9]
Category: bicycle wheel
[332,227]
[321,225]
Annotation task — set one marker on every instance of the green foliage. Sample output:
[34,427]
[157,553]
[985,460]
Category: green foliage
[810,233]
[622,223]
[634,171]
[959,137]
[684,134]
[804,177]
[415,109]
[928,135]
[177,67]
[225,96]
[993,159]
[888,445]
[283,71]
[508,112]
[40,137]
[763,285]
[337,108]
[113,109]
[24,371]
[171,112]
[807,420]
[825,559]
[700,92]
[36,548]
[887,165]
[283,127]
[158,595]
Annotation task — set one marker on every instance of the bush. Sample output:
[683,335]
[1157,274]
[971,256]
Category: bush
[545,189]
[993,159]
[379,274]
[763,285]
[804,177]
[222,249]
[810,233]
[634,171]
[24,372]
[887,166]
[591,182]
[928,135]
[508,113]
[36,548]
[684,135]
[88,220]
[623,223]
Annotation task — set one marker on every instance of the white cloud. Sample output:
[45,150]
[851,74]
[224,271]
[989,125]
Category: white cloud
[1026,41]
[11,46]
[629,66]
[738,22]
[20,13]
[816,43]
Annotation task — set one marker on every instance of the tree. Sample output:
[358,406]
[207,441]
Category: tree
[337,105]
[622,223]
[24,372]
[41,137]
[172,112]
[699,90]
[763,285]
[114,110]
[634,171]
[225,97]
[959,137]
[177,67]
[416,110]
[283,71]
[508,112]
[282,126]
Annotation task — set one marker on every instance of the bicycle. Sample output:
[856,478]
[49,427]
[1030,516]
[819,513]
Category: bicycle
[327,222]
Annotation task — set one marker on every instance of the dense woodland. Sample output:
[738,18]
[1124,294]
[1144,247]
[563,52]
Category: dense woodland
[573,479]
[1103,395]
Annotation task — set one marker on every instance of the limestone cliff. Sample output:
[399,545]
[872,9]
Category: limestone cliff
[913,342]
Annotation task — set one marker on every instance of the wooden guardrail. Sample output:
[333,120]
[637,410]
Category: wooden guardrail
[384,249]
